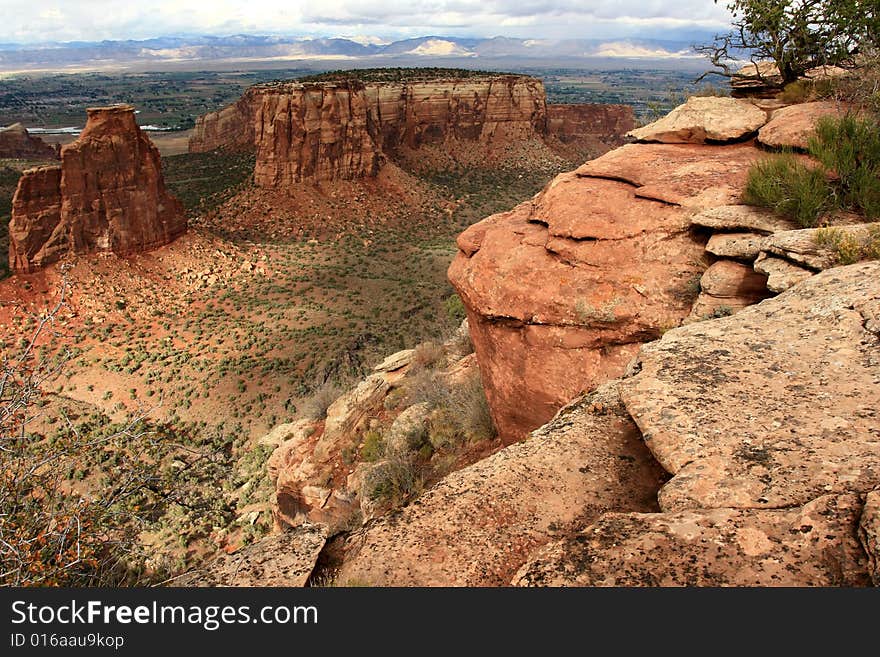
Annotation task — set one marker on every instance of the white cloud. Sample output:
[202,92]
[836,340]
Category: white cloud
[44,20]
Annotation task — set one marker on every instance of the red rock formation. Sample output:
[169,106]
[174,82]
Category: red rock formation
[231,128]
[313,132]
[16,143]
[562,290]
[345,129]
[107,195]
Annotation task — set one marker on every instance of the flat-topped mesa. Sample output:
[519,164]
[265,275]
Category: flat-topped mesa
[17,143]
[345,128]
[108,194]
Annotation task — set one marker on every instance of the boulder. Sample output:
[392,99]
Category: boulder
[561,291]
[704,119]
[740,246]
[283,559]
[410,422]
[781,274]
[772,407]
[478,525]
[810,545]
[792,126]
[727,287]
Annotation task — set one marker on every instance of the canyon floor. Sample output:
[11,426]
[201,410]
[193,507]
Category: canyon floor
[268,302]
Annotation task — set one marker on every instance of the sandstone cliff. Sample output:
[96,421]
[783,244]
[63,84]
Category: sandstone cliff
[108,194]
[562,290]
[345,129]
[17,143]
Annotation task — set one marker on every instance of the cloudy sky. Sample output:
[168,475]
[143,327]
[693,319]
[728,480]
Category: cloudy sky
[93,20]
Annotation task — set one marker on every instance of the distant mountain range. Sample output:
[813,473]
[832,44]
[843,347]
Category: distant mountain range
[247,48]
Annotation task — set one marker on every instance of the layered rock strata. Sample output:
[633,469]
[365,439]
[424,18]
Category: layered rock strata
[322,131]
[562,290]
[108,194]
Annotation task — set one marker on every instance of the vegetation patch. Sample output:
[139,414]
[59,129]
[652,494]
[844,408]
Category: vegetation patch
[848,175]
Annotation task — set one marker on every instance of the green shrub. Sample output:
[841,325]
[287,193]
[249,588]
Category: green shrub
[374,447]
[454,308]
[848,248]
[396,480]
[850,147]
[790,188]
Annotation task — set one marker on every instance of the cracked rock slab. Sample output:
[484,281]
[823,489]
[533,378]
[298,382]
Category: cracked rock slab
[704,119]
[740,246]
[689,175]
[478,525]
[812,545]
[283,559]
[781,274]
[772,407]
[741,217]
[805,247]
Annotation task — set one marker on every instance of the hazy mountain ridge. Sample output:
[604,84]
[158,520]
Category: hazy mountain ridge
[247,47]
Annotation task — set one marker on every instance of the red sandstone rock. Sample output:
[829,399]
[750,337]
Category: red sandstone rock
[562,290]
[323,131]
[16,143]
[318,133]
[107,195]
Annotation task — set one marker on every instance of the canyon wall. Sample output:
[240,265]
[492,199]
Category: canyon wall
[108,194]
[607,122]
[346,129]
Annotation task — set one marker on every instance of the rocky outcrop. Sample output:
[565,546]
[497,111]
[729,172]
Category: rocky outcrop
[813,431]
[346,129]
[869,533]
[812,545]
[107,195]
[704,119]
[792,127]
[283,559]
[767,421]
[563,289]
[478,525]
[16,143]
[230,128]
[742,217]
